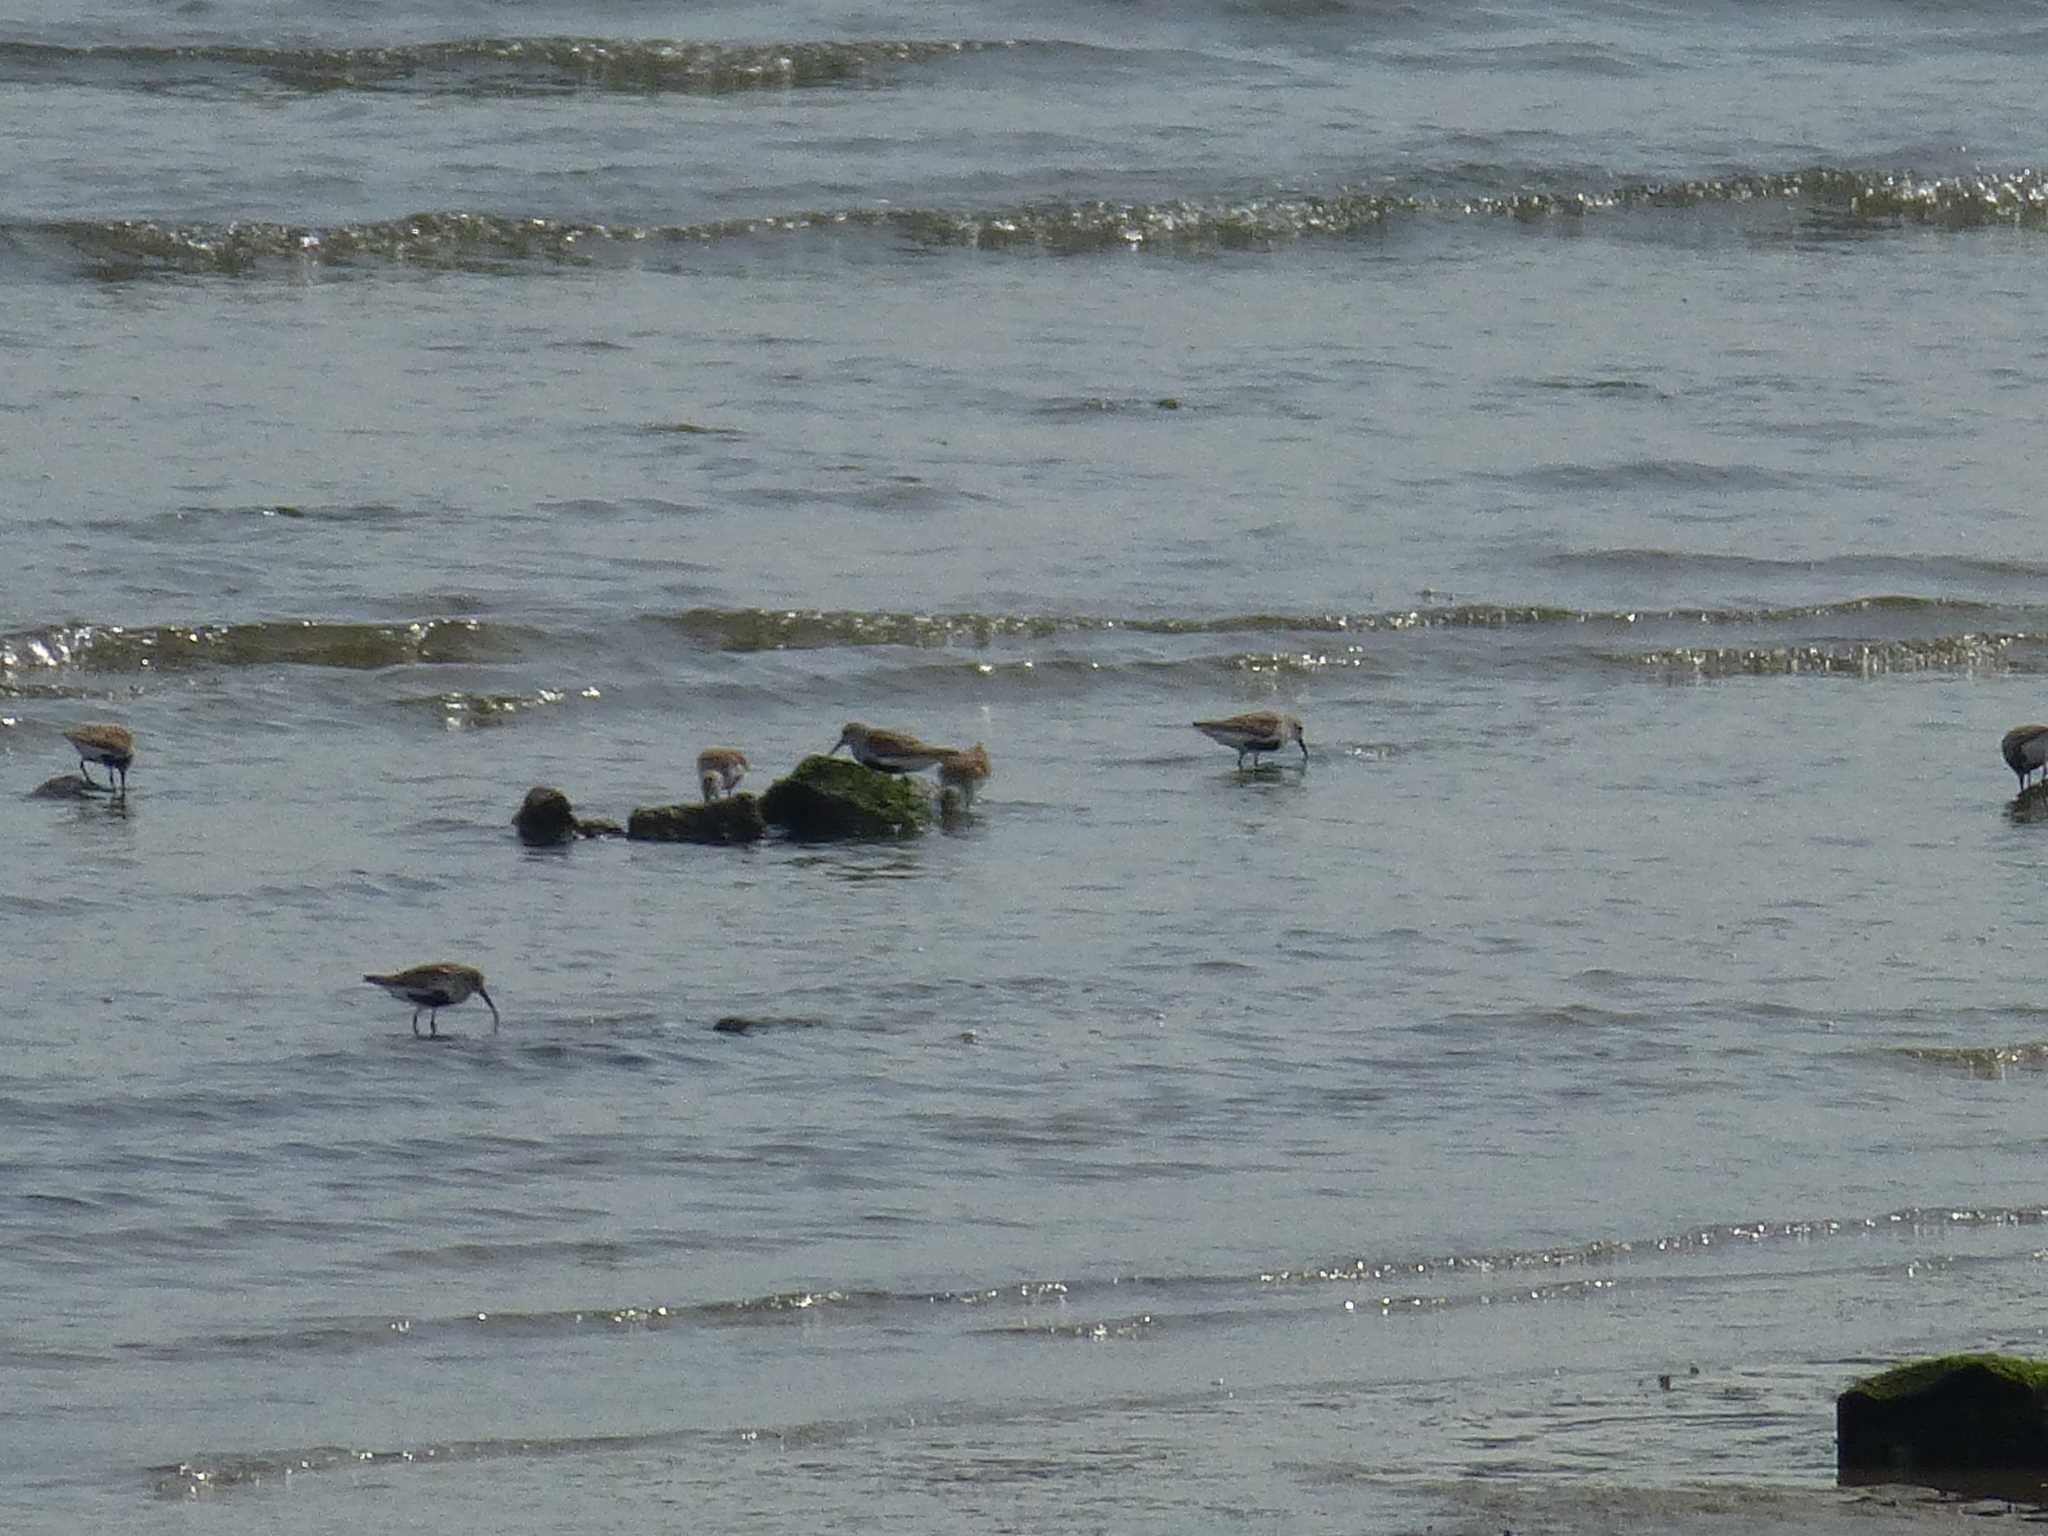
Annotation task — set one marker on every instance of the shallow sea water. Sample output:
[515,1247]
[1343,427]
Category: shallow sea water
[1608,429]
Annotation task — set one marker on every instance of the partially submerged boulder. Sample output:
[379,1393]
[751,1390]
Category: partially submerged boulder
[546,819]
[829,797]
[1956,1413]
[734,819]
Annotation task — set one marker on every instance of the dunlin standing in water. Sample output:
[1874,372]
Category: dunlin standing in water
[965,772]
[434,987]
[2026,749]
[719,769]
[1263,730]
[890,751]
[113,745]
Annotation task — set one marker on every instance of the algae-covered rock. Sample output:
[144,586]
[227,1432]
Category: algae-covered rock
[734,819]
[1945,1415]
[826,797]
[598,826]
[545,818]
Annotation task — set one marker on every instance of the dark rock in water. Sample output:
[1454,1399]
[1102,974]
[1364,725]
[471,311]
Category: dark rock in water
[2031,803]
[545,818]
[66,786]
[1929,1420]
[598,826]
[827,797]
[740,1024]
[735,819]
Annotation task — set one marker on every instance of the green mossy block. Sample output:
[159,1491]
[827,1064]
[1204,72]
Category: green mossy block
[1954,1413]
[735,819]
[830,797]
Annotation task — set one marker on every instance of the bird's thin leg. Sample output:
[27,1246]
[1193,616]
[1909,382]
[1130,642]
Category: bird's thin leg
[95,783]
[433,1023]
[416,1024]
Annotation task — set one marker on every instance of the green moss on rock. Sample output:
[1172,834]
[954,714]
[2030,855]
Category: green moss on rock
[734,819]
[830,797]
[1953,1413]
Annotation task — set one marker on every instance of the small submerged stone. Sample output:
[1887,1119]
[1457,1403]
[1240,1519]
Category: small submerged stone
[66,786]
[732,819]
[825,798]
[741,1024]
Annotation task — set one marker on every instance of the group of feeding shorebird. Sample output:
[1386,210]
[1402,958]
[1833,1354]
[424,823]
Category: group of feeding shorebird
[430,988]
[443,984]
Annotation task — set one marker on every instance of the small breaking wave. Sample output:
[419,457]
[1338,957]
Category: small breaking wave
[457,239]
[497,66]
[289,642]
[1942,653]
[1106,1312]
[1897,634]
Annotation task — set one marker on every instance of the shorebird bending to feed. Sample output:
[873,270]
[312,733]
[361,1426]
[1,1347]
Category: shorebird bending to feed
[890,751]
[1263,730]
[434,987]
[719,769]
[113,745]
[2026,749]
[965,771]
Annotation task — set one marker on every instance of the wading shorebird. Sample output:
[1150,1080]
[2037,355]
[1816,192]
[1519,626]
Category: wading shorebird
[113,745]
[2026,749]
[1263,730]
[890,751]
[719,769]
[434,987]
[965,772]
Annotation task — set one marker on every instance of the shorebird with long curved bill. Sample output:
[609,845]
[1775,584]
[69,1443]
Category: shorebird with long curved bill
[111,745]
[2026,751]
[719,769]
[890,751]
[434,987]
[1263,730]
